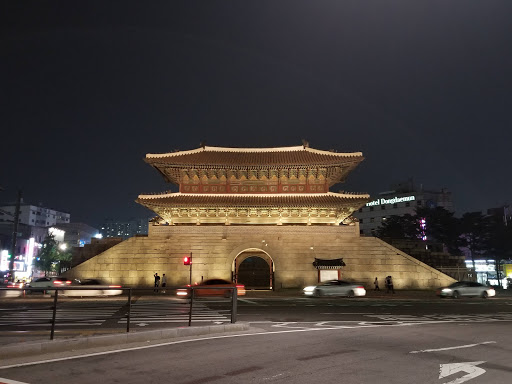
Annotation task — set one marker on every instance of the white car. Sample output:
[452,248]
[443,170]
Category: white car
[91,287]
[335,288]
[466,288]
[40,284]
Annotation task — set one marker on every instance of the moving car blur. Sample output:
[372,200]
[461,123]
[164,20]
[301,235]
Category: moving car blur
[40,284]
[16,289]
[96,288]
[466,288]
[216,287]
[335,288]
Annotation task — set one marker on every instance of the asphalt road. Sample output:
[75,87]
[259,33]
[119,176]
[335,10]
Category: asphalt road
[403,338]
[28,318]
[441,352]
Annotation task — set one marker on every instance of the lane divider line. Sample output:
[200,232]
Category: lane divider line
[457,347]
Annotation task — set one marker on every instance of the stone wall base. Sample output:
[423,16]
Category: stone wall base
[292,250]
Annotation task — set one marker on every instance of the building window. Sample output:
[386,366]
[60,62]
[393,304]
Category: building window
[383,207]
[395,205]
[372,219]
[361,221]
[407,204]
[360,209]
[371,209]
[419,202]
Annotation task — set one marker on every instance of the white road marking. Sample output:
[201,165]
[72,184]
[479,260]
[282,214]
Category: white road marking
[249,301]
[7,381]
[265,378]
[457,347]
[351,313]
[470,368]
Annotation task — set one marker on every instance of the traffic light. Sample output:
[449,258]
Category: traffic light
[187,260]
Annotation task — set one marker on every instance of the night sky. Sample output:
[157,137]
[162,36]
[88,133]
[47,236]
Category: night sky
[422,88]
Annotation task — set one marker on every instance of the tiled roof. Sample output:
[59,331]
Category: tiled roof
[251,200]
[218,156]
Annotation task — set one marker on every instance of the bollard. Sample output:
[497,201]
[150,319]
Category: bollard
[191,301]
[54,316]
[234,296]
[129,310]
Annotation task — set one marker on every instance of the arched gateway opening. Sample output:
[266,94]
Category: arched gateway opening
[255,269]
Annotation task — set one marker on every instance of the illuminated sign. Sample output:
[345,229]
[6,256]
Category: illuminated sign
[4,260]
[507,268]
[394,200]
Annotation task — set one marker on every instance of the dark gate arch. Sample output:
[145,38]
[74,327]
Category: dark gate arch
[255,272]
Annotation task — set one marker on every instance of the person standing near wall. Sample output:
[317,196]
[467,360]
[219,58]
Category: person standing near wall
[157,282]
[390,284]
[164,282]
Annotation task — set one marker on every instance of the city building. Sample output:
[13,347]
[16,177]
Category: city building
[125,228]
[402,199]
[77,234]
[35,215]
[263,217]
[27,248]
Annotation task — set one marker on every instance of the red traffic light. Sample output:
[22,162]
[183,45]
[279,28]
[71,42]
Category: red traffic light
[187,260]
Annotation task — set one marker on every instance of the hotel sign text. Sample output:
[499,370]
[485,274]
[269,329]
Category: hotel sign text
[390,201]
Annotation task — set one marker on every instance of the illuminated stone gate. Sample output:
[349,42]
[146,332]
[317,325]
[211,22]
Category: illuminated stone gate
[238,209]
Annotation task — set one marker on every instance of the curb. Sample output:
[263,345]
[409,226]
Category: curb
[42,347]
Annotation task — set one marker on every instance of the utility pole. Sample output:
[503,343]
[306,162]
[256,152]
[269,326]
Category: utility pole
[15,236]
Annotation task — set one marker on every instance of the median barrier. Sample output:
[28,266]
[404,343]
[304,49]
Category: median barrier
[26,349]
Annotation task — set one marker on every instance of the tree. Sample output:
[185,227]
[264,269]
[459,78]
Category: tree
[50,255]
[476,232]
[441,226]
[399,227]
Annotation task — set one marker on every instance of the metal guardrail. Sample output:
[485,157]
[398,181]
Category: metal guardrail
[53,321]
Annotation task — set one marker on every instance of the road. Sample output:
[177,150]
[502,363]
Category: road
[30,316]
[415,352]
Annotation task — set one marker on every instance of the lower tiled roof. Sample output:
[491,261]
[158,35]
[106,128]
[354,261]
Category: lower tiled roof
[252,200]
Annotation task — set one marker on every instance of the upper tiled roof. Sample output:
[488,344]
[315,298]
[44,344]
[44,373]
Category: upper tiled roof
[251,200]
[219,156]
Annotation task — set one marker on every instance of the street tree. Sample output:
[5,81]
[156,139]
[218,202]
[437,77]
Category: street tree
[51,255]
[476,231]
[441,226]
[399,228]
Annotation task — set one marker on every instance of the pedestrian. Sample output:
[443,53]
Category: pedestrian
[390,284]
[386,283]
[376,283]
[164,282]
[157,282]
